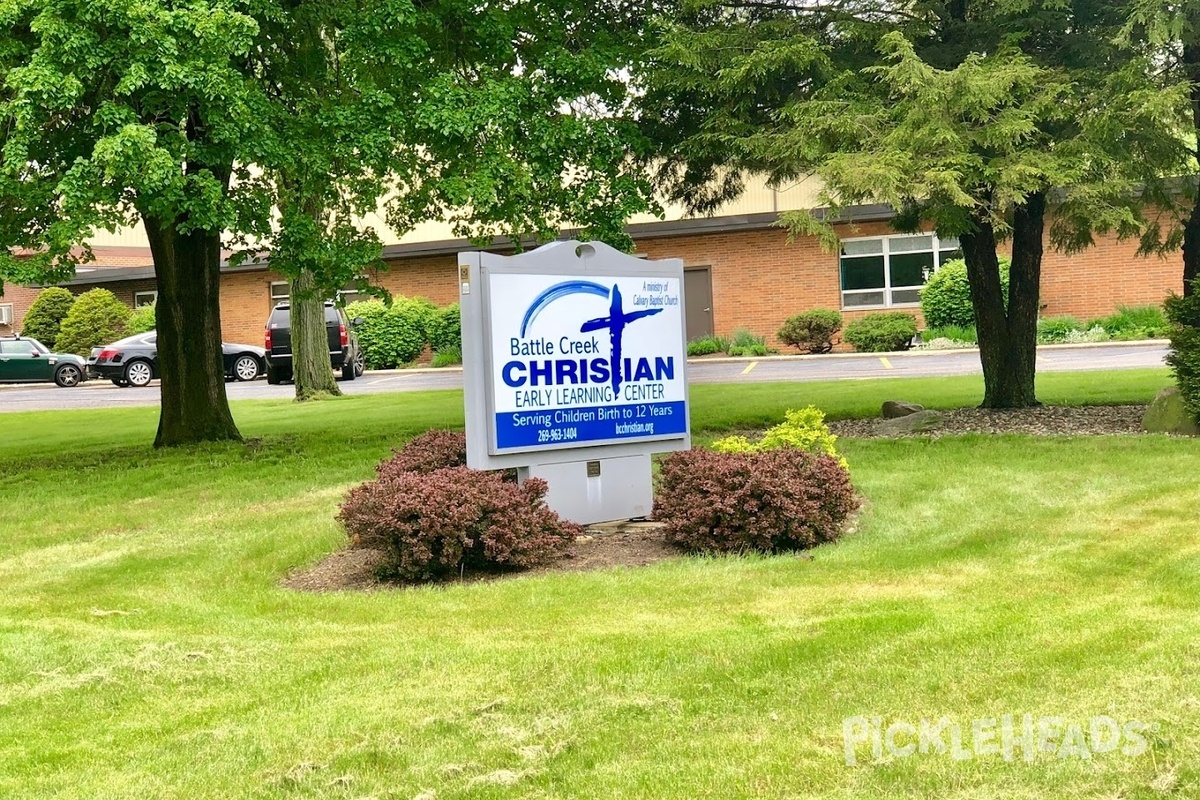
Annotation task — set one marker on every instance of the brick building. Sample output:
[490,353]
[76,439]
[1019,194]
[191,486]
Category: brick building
[741,272]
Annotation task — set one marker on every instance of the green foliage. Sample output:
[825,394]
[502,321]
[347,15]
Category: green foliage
[706,346]
[1183,313]
[811,331]
[882,332]
[1134,322]
[802,429]
[45,315]
[946,298]
[395,335]
[745,343]
[142,319]
[1053,330]
[444,328]
[96,318]
[955,333]
[447,356]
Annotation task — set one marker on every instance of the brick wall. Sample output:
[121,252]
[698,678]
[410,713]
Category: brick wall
[758,280]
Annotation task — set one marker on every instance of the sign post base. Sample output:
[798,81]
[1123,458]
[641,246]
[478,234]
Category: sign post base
[601,490]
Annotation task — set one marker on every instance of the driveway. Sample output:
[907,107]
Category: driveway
[918,364]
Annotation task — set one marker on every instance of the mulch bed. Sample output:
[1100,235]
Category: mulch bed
[630,544]
[1043,421]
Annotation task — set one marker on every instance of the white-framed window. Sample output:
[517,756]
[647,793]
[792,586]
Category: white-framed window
[144,298]
[280,292]
[6,314]
[885,271]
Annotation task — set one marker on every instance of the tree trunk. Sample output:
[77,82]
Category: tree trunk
[310,340]
[1007,336]
[188,318]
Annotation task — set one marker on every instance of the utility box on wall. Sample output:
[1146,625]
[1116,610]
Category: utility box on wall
[575,371]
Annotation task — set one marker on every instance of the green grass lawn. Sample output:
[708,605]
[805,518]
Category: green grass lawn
[146,650]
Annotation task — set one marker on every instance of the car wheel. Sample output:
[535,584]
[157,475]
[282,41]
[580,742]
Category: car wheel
[360,364]
[68,375]
[138,373]
[245,368]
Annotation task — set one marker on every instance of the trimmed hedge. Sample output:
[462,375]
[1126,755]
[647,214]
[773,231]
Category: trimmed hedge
[429,452]
[882,333]
[46,315]
[435,525]
[803,429]
[769,501]
[142,320]
[395,335]
[946,298]
[811,331]
[96,318]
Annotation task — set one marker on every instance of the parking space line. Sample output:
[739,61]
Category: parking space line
[751,366]
[887,364]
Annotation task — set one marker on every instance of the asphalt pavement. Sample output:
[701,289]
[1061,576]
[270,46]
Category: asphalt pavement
[848,366]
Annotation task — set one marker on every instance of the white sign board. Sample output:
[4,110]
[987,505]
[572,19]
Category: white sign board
[572,353]
[585,361]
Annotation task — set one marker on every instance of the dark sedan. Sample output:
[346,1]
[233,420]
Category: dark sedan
[133,361]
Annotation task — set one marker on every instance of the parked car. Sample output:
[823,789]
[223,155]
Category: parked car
[25,360]
[133,361]
[345,356]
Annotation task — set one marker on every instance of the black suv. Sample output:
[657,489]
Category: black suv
[344,353]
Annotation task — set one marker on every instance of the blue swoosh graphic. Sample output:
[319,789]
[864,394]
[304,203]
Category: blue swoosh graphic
[555,292]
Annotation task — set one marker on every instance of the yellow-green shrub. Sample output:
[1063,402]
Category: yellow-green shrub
[802,429]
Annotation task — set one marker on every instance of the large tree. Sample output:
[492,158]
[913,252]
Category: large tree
[123,110]
[280,123]
[988,121]
[1168,34]
[516,125]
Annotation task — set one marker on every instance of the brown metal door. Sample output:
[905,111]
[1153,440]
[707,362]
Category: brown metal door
[697,295]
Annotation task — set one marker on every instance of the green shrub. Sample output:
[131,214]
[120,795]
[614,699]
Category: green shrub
[391,336]
[142,319]
[704,346]
[447,356]
[45,316]
[751,350]
[445,331]
[811,331]
[96,318]
[946,298]
[1134,322]
[882,333]
[1053,330]
[769,501]
[804,429]
[955,333]
[1183,313]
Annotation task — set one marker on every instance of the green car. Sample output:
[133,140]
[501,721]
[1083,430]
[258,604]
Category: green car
[25,360]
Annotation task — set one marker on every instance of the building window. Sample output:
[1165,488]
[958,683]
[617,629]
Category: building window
[6,314]
[280,292]
[144,299]
[890,270]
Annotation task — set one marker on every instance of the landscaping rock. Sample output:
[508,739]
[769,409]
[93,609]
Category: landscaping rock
[918,422]
[1168,414]
[899,408]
